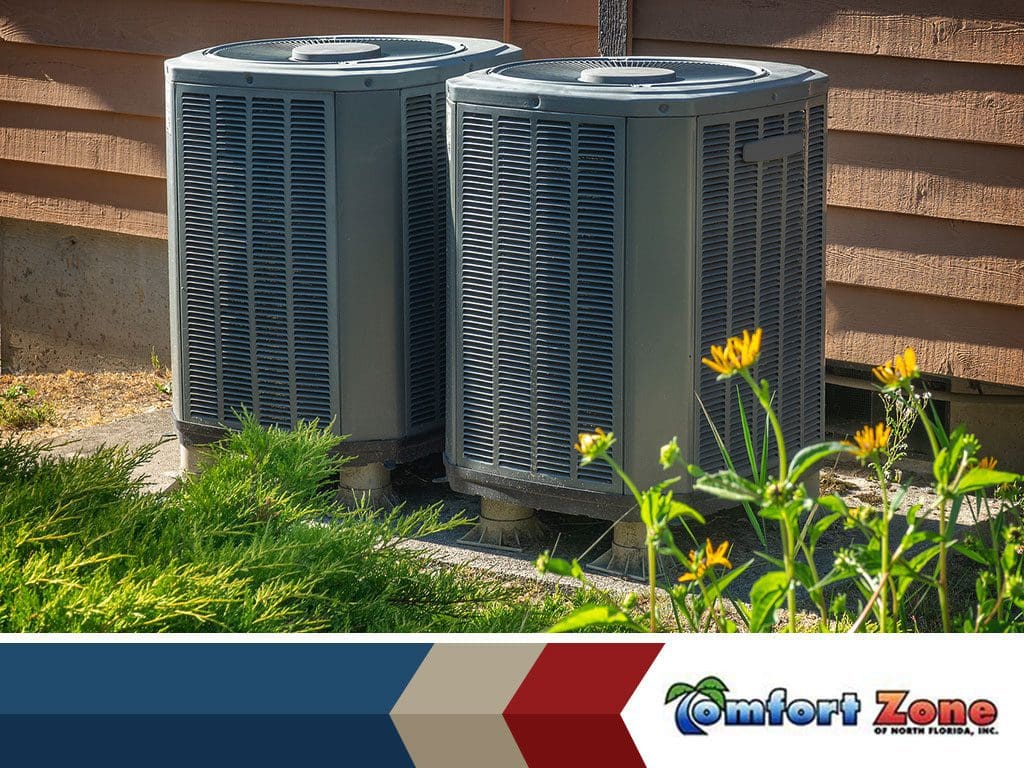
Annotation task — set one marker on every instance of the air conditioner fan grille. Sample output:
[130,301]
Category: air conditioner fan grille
[280,50]
[687,71]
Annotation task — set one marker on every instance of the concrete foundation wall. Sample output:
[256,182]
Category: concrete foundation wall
[80,298]
[999,427]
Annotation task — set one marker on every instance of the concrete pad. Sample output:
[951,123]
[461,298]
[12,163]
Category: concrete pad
[153,426]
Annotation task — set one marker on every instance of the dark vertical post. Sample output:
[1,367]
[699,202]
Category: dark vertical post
[614,27]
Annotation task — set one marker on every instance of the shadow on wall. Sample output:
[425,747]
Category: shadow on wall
[80,298]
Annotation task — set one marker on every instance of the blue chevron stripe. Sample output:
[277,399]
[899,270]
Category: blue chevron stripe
[198,741]
[205,679]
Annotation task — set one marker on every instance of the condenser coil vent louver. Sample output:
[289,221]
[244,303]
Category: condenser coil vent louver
[613,218]
[308,234]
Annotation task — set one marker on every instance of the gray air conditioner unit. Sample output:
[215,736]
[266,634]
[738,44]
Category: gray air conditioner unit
[307,227]
[613,218]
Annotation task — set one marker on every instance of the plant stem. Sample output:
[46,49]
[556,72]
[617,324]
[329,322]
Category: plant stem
[625,478]
[787,556]
[652,555]
[776,426]
[943,576]
[883,611]
[652,578]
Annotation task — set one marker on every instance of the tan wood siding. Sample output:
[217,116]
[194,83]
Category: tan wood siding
[81,84]
[966,339]
[926,163]
[983,31]
[134,205]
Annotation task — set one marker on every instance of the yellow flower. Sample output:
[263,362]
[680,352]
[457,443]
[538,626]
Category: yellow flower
[717,556]
[738,354]
[988,462]
[699,564]
[898,371]
[870,440]
[593,445]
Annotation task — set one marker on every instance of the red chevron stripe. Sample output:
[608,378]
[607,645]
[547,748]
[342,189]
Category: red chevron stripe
[568,709]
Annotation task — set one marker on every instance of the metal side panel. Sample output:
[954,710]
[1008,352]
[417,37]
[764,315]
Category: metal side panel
[538,292]
[425,250]
[372,292]
[658,294]
[761,264]
[256,247]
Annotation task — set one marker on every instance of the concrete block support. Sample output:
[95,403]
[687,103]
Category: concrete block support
[193,458]
[628,554]
[369,484]
[506,526]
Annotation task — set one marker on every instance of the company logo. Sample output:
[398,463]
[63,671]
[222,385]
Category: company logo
[705,704]
[923,716]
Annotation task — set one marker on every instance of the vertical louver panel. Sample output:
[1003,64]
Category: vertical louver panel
[426,240]
[761,265]
[254,186]
[476,286]
[814,273]
[540,265]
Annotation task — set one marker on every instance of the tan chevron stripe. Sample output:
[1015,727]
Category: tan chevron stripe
[450,714]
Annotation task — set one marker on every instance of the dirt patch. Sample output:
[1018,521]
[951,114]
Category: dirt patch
[80,399]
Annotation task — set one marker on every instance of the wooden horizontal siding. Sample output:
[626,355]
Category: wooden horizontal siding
[132,205]
[953,337]
[82,84]
[171,27]
[981,31]
[925,241]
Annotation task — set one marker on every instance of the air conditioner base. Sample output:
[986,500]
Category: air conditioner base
[506,527]
[627,558]
[193,458]
[367,486]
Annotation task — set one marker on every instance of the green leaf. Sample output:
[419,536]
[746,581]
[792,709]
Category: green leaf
[822,525]
[721,584]
[978,478]
[677,690]
[711,683]
[718,697]
[728,485]
[967,551]
[558,566]
[833,503]
[940,432]
[765,596]
[755,523]
[748,440]
[677,509]
[810,455]
[664,484]
[594,616]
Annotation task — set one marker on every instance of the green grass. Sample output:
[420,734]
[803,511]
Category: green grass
[253,544]
[21,408]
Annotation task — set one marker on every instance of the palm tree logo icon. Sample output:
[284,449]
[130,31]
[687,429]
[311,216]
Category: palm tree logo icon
[689,696]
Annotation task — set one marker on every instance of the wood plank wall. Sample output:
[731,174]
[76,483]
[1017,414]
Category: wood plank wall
[81,84]
[926,173]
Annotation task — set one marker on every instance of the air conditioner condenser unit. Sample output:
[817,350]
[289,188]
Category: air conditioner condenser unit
[307,234]
[613,218]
